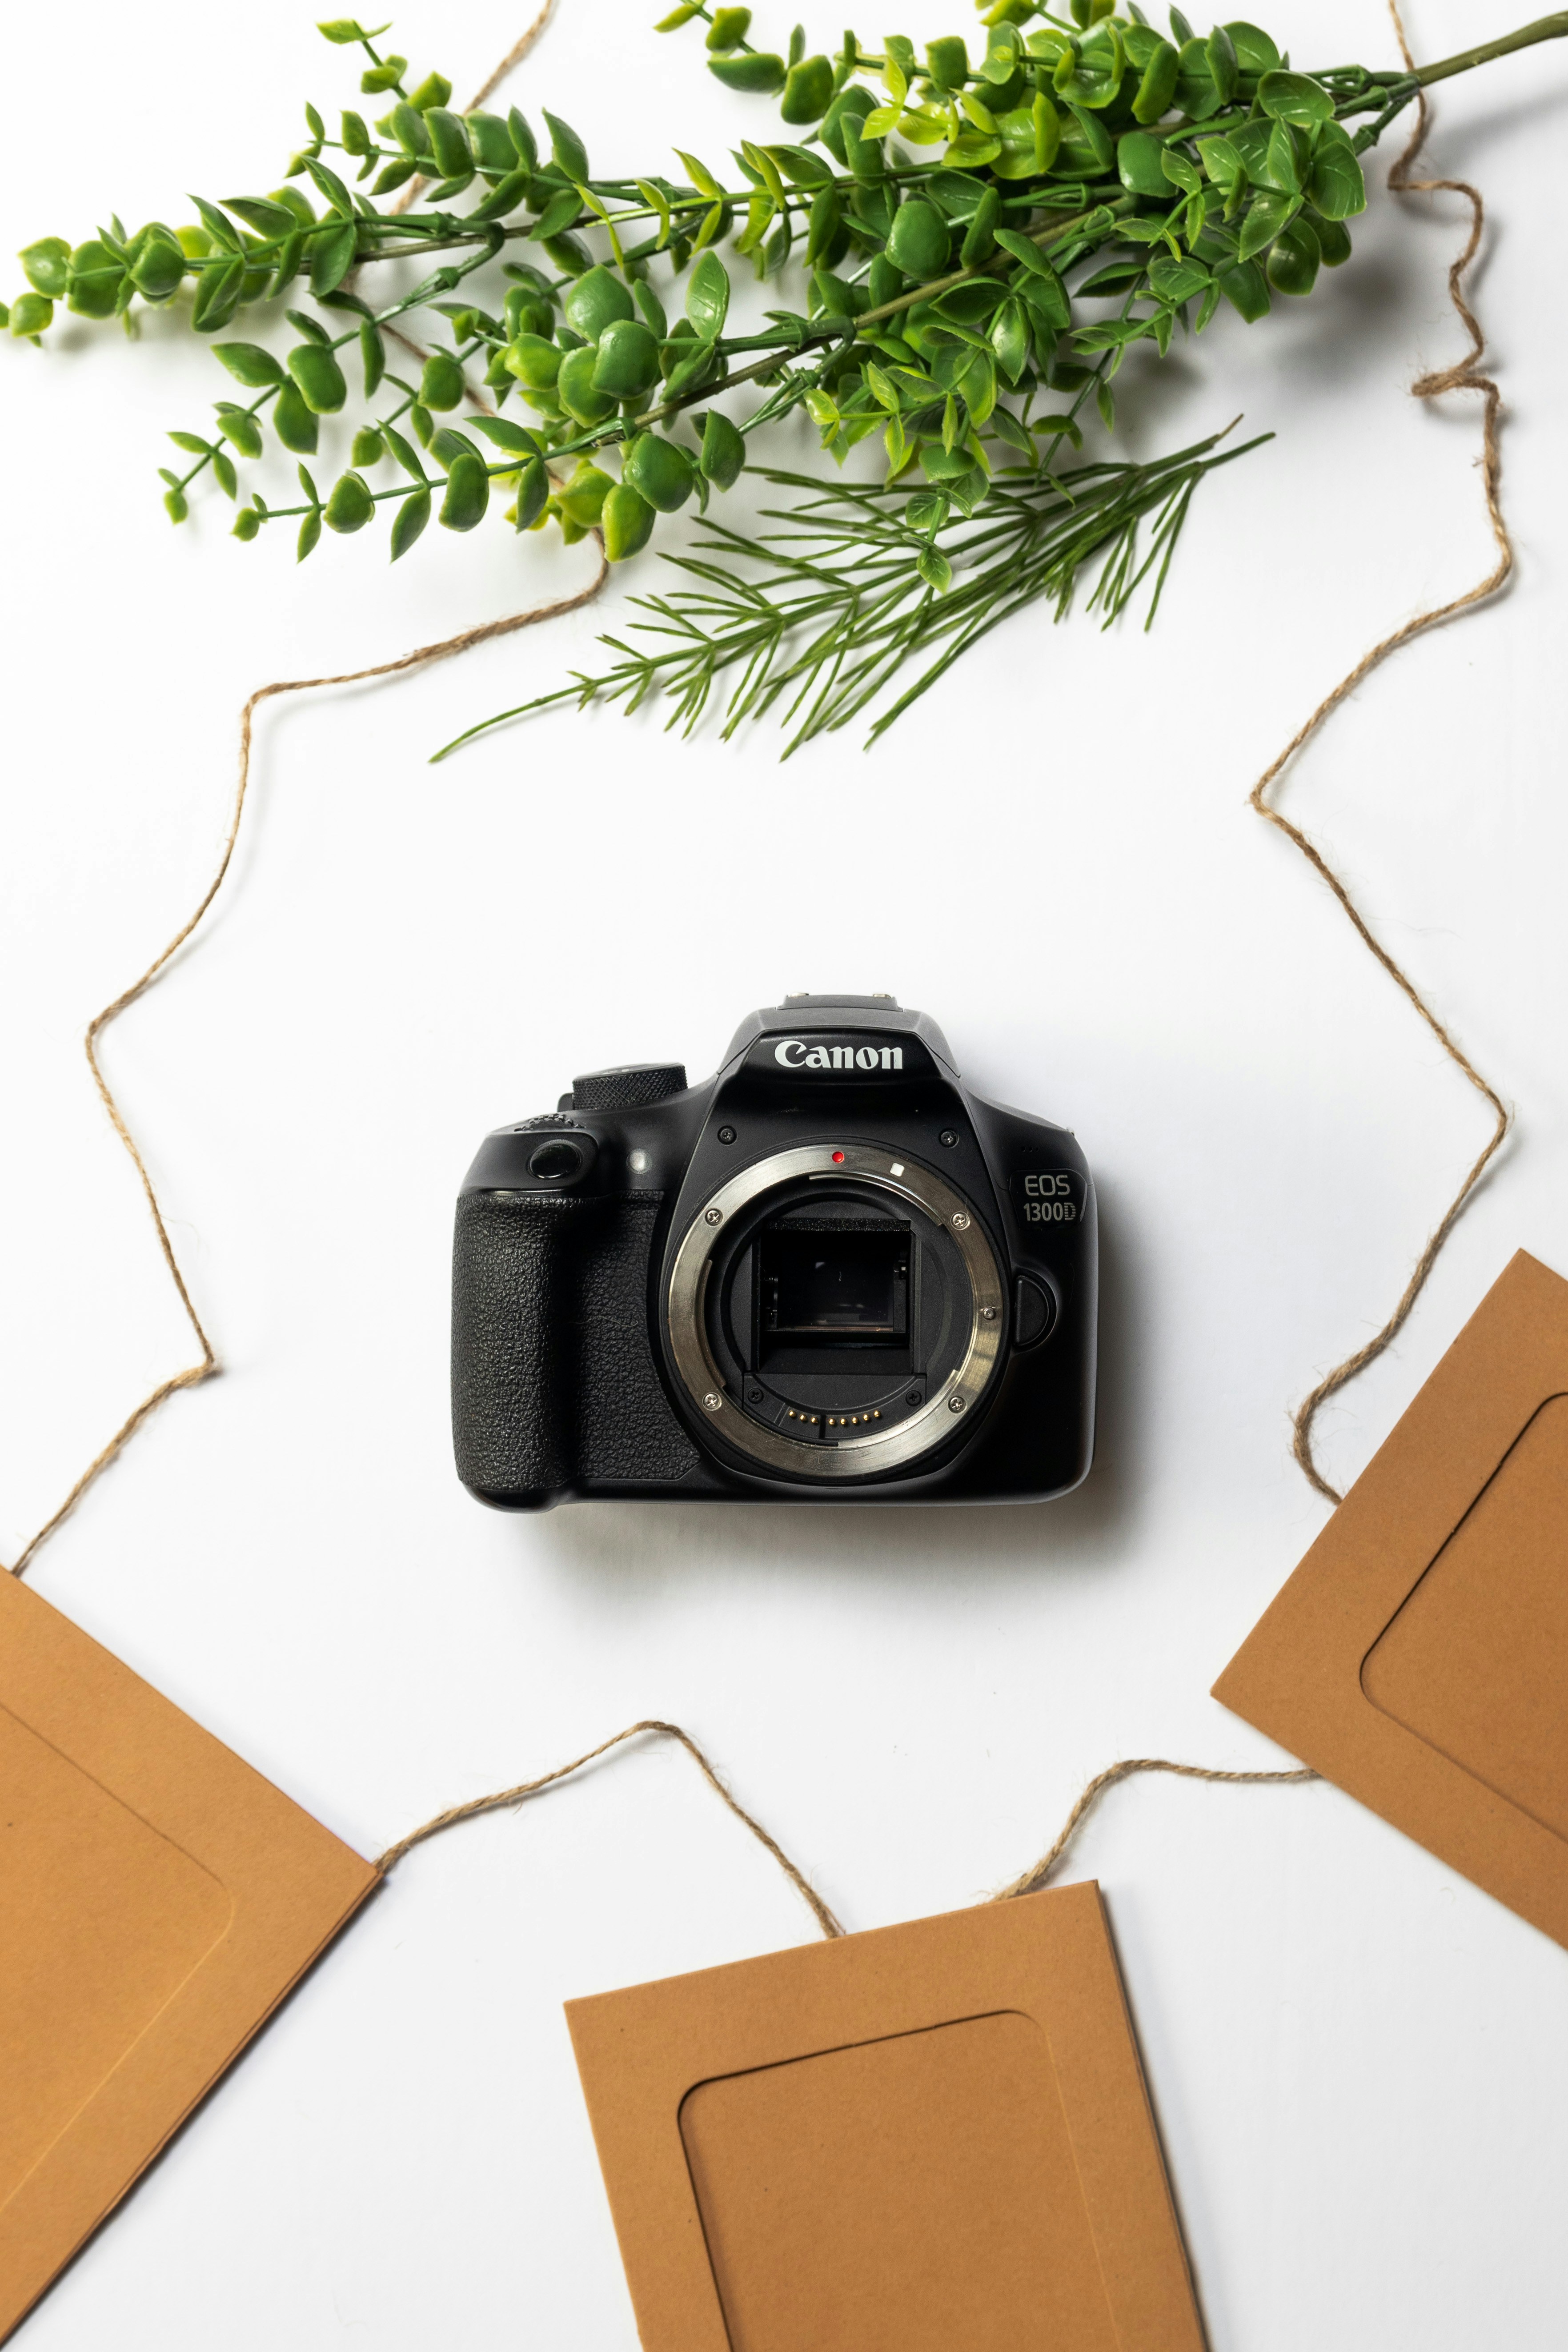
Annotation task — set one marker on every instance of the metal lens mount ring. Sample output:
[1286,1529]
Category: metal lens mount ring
[853,1457]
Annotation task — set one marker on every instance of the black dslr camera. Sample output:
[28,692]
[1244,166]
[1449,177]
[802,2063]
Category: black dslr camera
[829,1274]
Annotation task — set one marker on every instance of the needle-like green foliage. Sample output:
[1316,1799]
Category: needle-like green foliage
[966,246]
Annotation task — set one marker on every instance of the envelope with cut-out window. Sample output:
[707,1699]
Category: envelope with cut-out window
[158,1898]
[1419,1655]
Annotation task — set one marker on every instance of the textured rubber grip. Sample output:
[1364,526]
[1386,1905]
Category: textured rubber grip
[553,1384]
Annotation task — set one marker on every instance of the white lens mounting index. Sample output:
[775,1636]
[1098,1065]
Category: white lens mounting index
[908,1180]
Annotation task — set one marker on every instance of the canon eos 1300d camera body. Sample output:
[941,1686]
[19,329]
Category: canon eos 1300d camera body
[829,1274]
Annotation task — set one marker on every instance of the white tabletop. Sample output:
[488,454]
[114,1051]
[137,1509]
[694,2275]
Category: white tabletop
[1359,2062]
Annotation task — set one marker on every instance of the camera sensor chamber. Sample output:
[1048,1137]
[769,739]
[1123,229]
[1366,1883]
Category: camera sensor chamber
[835,1312]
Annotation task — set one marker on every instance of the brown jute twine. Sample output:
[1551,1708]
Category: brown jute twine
[1467,377]
[1030,1882]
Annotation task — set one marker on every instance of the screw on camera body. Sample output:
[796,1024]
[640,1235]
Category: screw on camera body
[726,1135]
[948,1136]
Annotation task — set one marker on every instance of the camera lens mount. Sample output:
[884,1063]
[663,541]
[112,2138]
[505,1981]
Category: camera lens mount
[859,1295]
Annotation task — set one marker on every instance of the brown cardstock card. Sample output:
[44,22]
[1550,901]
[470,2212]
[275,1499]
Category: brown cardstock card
[926,2136]
[1419,1655]
[158,1898]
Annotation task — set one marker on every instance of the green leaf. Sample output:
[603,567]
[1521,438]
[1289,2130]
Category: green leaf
[1294,258]
[760,75]
[1139,164]
[318,378]
[404,452]
[468,491]
[1179,172]
[176,505]
[807,92]
[309,534]
[505,196]
[344,29]
[1246,289]
[1158,87]
[222,232]
[511,438]
[46,266]
[294,424]
[351,506]
[558,215]
[223,468]
[373,352]
[249,365]
[566,147]
[218,297]
[259,212]
[1267,216]
[1295,98]
[1336,185]
[708,297]
[369,448]
[193,442]
[703,179]
[239,425]
[934,569]
[1177,281]
[408,522]
[724,452]
[333,256]
[1255,52]
[1024,249]
[1010,340]
[533,493]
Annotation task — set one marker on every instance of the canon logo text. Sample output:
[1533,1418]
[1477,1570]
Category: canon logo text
[794,1053]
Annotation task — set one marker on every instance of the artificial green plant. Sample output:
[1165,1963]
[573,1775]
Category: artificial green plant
[963,245]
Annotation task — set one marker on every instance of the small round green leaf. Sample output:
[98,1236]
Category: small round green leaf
[658,471]
[575,387]
[45,266]
[723,451]
[317,377]
[808,90]
[758,75]
[727,29]
[467,492]
[31,313]
[920,244]
[441,384]
[598,299]
[1295,98]
[296,426]
[627,362]
[351,506]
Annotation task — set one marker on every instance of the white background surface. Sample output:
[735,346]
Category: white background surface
[1360,2063]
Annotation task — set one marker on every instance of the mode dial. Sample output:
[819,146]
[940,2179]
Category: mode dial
[631,1087]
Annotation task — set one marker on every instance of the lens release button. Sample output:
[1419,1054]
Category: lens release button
[1034,1312]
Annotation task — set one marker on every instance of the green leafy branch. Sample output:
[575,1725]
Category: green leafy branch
[973,244]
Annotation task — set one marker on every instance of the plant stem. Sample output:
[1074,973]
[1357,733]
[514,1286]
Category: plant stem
[1545,28]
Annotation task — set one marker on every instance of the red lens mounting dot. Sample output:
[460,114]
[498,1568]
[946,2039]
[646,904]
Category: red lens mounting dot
[838,1159]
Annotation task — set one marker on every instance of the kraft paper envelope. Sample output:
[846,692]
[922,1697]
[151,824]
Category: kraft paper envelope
[929,2138]
[1419,1655]
[157,1900]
